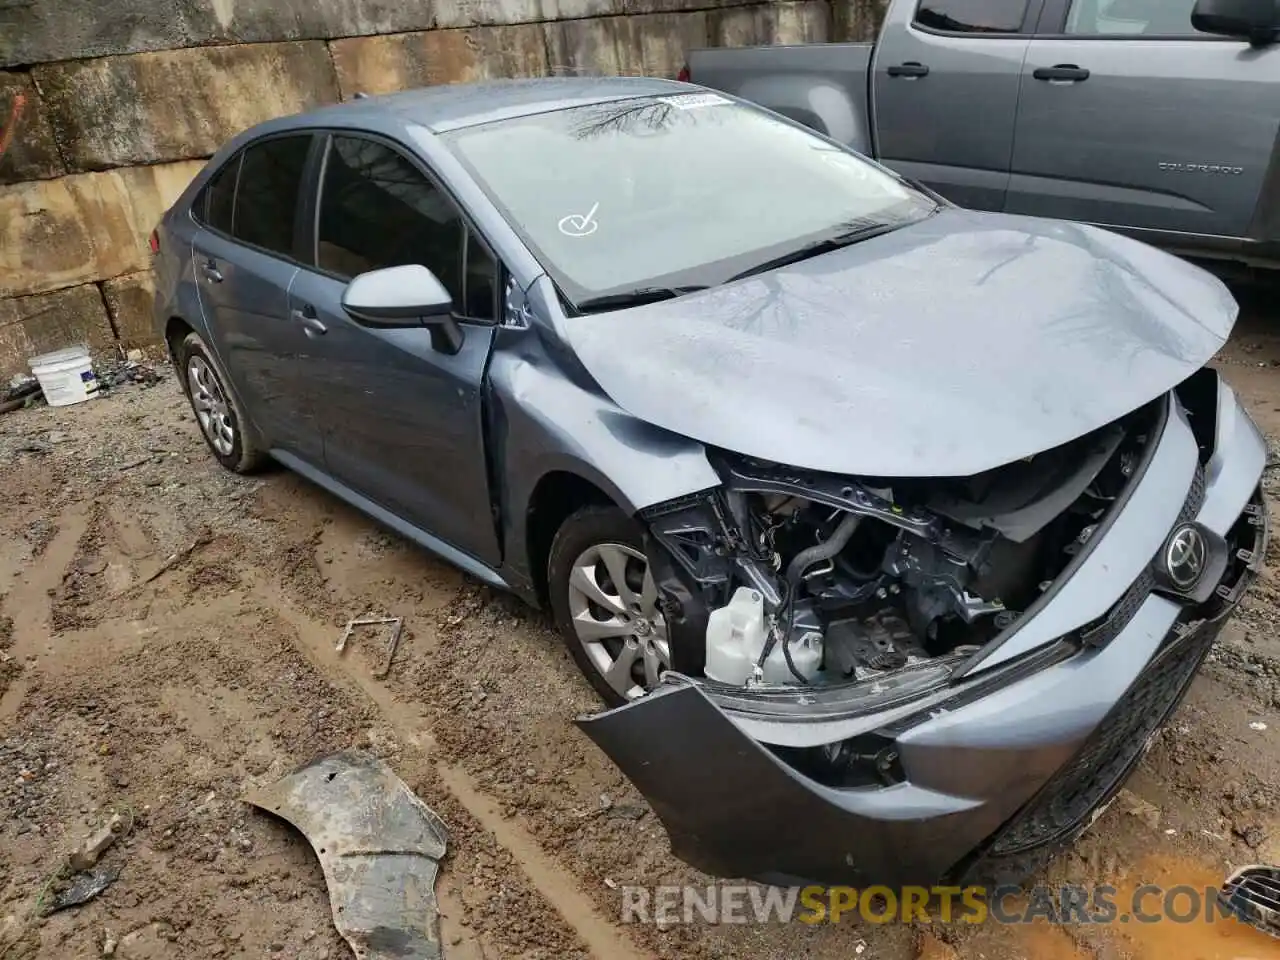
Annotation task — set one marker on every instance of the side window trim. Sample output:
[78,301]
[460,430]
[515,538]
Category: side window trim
[1030,18]
[238,159]
[1052,25]
[326,135]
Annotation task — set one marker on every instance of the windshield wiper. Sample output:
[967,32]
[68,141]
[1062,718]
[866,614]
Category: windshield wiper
[635,298]
[819,247]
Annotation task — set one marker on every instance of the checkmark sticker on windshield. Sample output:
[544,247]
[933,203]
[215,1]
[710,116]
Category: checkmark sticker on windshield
[580,224]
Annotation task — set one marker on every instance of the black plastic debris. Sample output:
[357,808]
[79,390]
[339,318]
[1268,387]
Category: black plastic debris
[83,887]
[379,846]
[118,373]
[1252,895]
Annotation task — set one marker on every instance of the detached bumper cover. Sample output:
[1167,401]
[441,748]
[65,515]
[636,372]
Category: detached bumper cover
[1025,763]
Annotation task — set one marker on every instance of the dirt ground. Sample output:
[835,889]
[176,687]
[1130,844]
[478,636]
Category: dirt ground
[161,687]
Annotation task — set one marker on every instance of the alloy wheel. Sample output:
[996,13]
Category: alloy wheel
[211,406]
[613,606]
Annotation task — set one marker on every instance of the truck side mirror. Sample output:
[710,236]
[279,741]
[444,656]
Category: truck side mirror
[1254,20]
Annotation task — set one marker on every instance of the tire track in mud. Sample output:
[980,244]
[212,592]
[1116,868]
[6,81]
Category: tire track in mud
[28,605]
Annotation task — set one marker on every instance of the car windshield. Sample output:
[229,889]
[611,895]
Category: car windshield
[660,195]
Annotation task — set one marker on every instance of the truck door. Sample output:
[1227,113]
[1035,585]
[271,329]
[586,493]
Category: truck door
[1130,117]
[944,89]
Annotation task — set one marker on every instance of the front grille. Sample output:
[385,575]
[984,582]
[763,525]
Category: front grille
[1114,747]
[1103,631]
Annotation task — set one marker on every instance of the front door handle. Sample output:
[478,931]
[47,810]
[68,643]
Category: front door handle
[1063,72]
[311,324]
[911,69]
[210,269]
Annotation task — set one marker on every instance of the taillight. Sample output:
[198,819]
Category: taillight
[684,76]
[155,241]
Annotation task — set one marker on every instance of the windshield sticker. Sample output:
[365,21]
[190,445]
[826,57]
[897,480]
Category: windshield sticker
[580,225]
[691,101]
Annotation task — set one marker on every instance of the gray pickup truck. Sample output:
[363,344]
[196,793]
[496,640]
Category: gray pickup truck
[1158,118]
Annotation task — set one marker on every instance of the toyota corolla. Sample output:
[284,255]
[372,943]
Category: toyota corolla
[890,532]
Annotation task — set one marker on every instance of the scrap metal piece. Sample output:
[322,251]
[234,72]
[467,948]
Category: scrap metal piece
[392,644]
[1252,896]
[379,846]
[366,622]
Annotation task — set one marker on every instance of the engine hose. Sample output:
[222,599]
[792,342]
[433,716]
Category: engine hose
[801,562]
[806,558]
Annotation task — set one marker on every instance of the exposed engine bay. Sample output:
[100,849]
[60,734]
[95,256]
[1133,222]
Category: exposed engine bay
[797,578]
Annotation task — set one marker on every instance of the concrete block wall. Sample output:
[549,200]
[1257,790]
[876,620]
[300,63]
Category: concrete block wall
[124,101]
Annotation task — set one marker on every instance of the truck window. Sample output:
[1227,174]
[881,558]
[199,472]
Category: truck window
[971,16]
[1128,18]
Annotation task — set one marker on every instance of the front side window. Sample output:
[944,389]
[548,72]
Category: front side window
[972,16]
[673,191]
[266,203]
[1124,18]
[378,210]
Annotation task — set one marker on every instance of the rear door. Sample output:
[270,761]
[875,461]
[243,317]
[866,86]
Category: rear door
[403,420]
[1130,117]
[944,87]
[245,261]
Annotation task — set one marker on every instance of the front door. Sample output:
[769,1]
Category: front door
[244,264]
[403,421]
[944,89]
[1129,116]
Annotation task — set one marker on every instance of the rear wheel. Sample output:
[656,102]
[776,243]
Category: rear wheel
[605,603]
[225,429]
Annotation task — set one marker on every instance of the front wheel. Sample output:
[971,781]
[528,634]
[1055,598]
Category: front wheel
[605,603]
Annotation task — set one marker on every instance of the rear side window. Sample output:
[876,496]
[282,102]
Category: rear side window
[220,197]
[266,201]
[972,16]
[1128,18]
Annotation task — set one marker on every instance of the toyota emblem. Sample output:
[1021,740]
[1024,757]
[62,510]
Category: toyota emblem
[1186,556]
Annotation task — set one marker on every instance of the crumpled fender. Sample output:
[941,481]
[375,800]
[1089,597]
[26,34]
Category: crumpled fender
[379,846]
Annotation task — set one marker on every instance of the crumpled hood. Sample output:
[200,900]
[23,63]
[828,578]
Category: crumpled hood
[951,346]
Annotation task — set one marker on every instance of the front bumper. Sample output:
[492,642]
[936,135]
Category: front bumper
[1018,753]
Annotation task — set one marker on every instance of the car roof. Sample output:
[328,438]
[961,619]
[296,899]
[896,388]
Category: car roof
[453,106]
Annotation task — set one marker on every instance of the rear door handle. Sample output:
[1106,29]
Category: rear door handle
[1068,72]
[910,69]
[311,324]
[210,268]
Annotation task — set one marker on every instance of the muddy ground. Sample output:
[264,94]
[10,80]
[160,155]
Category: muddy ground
[161,687]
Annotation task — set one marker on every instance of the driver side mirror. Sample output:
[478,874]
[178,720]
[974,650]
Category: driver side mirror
[1254,20]
[407,296]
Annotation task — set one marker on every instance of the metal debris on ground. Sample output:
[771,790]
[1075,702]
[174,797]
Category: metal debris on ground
[1252,895]
[379,846]
[374,622]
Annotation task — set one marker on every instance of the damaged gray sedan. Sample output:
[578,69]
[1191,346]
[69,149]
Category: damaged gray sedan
[892,532]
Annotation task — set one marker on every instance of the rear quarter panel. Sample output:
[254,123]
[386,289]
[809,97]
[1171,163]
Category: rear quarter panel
[823,86]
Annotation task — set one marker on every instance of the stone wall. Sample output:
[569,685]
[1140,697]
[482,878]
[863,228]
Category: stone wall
[123,102]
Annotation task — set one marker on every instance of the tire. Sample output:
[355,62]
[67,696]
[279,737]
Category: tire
[227,432]
[599,541]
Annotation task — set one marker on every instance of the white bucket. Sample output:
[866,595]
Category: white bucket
[66,376]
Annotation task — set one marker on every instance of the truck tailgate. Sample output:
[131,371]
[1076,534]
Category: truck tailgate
[823,85]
